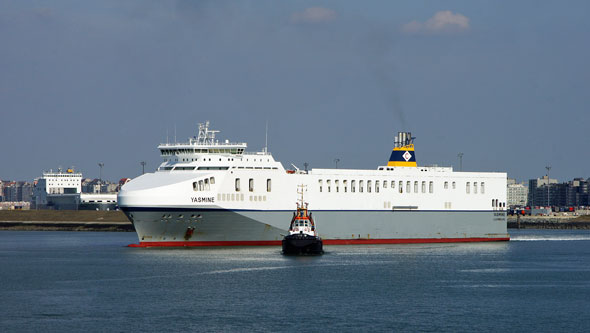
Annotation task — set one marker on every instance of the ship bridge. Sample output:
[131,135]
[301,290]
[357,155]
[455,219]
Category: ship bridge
[205,152]
[204,143]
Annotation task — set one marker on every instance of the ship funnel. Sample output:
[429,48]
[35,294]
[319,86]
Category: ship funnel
[403,154]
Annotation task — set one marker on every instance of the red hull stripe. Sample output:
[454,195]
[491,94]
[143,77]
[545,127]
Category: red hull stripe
[326,242]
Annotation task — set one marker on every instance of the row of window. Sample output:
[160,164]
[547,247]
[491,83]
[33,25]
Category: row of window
[378,185]
[237,185]
[409,185]
[167,152]
[239,197]
[205,184]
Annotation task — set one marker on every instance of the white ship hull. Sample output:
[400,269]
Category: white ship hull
[208,194]
[163,214]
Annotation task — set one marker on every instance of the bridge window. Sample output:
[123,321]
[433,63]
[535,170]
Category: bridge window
[483,188]
[336,183]
[385,184]
[408,188]
[474,187]
[401,186]
[376,186]
[431,187]
[320,184]
[352,186]
[268,185]
[237,184]
[251,184]
[416,187]
[467,188]
[328,183]
[369,186]
[393,184]
[454,185]
[446,185]
[361,185]
[423,187]
[345,185]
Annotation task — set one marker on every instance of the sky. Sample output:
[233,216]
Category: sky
[506,83]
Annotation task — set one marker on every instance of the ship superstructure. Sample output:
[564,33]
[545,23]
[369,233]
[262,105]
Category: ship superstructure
[227,196]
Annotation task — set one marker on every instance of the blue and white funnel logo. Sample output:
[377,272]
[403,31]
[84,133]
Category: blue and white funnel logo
[407,156]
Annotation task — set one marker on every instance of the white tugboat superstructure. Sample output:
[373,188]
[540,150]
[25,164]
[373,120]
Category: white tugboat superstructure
[208,193]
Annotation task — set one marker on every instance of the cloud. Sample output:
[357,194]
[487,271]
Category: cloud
[314,15]
[443,22]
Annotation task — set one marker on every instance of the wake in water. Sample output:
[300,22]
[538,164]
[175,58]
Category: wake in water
[533,238]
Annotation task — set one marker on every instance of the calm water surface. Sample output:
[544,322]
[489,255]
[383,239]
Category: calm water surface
[90,281]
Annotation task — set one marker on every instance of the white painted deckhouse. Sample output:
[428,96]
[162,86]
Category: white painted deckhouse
[210,193]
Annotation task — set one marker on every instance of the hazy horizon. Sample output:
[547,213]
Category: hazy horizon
[505,83]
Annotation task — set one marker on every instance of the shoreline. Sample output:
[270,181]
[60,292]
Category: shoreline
[116,221]
[64,220]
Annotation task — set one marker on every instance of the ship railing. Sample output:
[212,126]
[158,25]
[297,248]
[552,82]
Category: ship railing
[195,144]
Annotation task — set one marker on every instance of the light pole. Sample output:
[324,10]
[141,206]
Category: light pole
[100,165]
[142,167]
[460,155]
[548,182]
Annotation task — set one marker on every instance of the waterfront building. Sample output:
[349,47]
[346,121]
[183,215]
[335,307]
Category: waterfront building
[574,193]
[536,195]
[16,191]
[517,193]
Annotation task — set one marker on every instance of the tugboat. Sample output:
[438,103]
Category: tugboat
[302,238]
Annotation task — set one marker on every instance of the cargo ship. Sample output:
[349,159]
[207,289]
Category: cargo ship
[208,192]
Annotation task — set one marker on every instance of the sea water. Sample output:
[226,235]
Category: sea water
[90,281]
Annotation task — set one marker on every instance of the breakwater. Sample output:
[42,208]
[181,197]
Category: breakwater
[549,222]
[64,220]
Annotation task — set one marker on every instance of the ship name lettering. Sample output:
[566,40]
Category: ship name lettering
[203,199]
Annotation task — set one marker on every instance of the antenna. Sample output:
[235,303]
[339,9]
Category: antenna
[266,138]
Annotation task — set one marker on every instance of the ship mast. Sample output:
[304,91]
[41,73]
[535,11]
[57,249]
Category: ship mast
[300,189]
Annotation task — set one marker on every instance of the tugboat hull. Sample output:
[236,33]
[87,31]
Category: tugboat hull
[302,245]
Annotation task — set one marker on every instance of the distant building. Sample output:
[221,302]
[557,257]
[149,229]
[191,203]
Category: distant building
[574,193]
[537,195]
[517,193]
[17,191]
